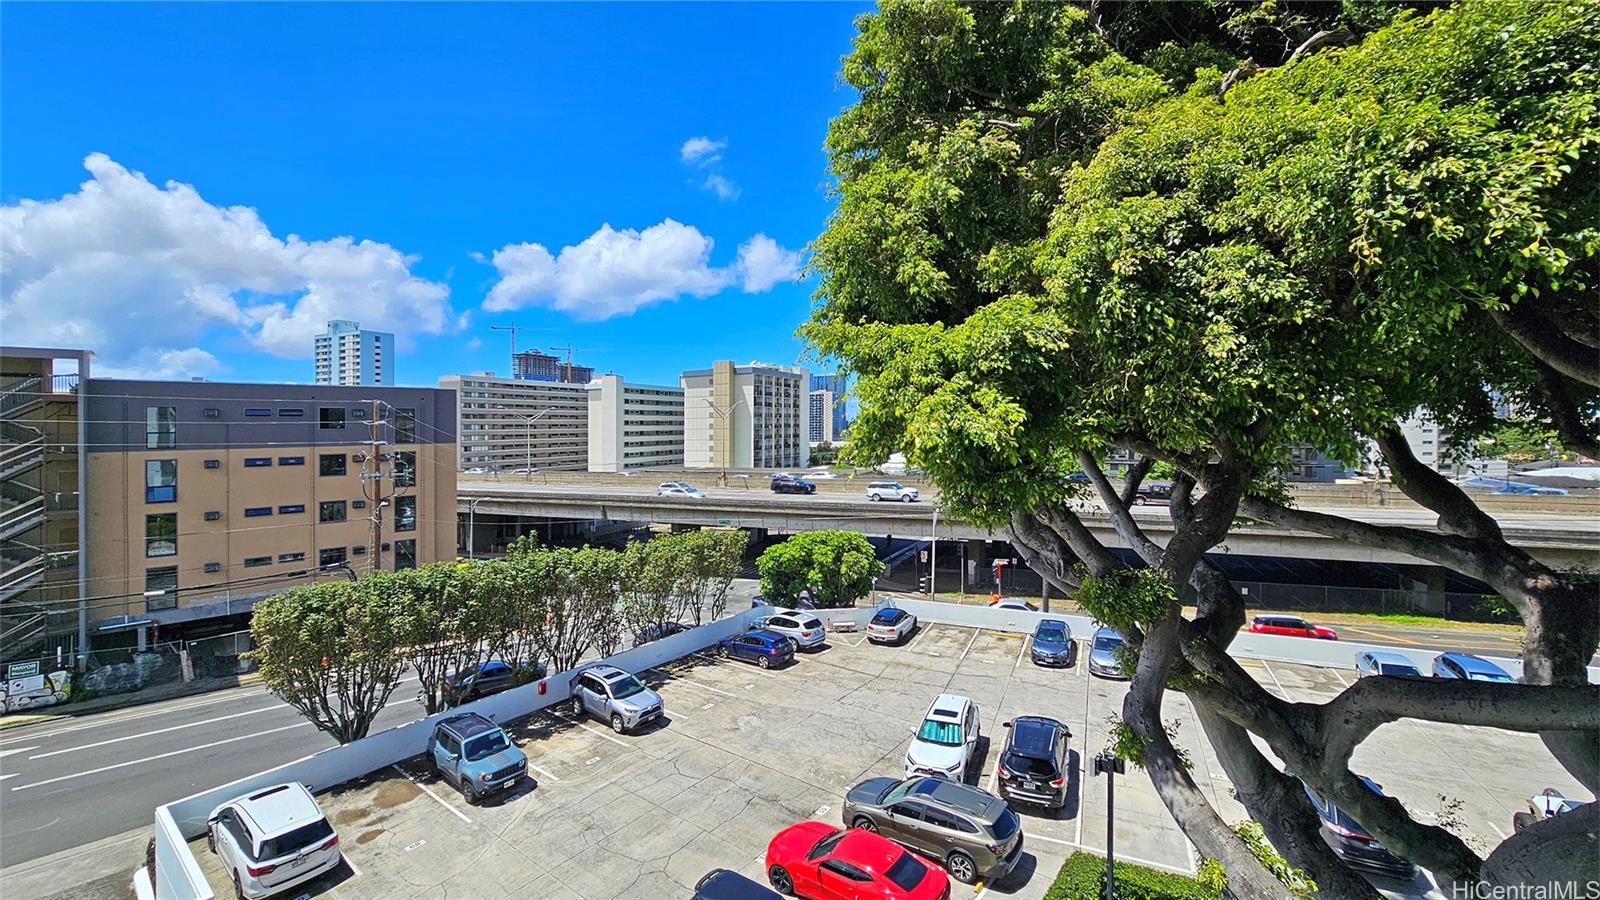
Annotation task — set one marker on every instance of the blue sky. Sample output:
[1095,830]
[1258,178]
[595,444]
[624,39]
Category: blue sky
[177,182]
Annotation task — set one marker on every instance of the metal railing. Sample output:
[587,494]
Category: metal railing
[24,393]
[22,576]
[21,517]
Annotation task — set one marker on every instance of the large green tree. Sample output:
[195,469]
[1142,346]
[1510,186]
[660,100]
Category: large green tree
[836,568]
[1206,233]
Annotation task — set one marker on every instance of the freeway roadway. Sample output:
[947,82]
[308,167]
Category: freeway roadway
[76,780]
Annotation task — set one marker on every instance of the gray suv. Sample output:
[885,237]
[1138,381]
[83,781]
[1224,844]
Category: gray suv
[971,831]
[615,697]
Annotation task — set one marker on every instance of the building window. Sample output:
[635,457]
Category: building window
[161,534]
[213,568]
[405,468]
[405,514]
[405,426]
[292,413]
[257,412]
[212,515]
[330,418]
[291,460]
[251,512]
[213,464]
[291,557]
[291,509]
[160,480]
[331,556]
[160,427]
[257,462]
[331,511]
[211,412]
[358,504]
[161,588]
[358,551]
[331,464]
[252,562]
[405,555]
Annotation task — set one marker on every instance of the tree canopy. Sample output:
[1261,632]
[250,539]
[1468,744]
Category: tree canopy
[1209,233]
[836,568]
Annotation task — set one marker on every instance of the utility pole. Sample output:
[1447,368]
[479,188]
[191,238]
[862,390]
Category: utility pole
[372,476]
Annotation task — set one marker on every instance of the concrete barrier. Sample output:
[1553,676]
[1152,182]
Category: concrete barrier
[178,875]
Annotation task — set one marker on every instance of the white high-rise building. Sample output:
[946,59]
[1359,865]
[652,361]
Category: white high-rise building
[634,426]
[1429,444]
[507,424]
[746,417]
[347,355]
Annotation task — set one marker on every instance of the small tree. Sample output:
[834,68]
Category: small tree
[335,650]
[837,567]
[651,575]
[716,558]
[442,638]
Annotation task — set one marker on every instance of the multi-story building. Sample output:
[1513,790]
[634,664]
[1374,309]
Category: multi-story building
[634,426]
[347,355]
[511,424]
[531,365]
[837,384]
[41,487]
[1430,445]
[204,496]
[822,417]
[746,417]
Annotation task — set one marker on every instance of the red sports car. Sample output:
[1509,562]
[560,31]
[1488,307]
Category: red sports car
[822,862]
[1291,626]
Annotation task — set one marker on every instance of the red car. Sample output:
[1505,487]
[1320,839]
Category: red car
[818,861]
[1291,626]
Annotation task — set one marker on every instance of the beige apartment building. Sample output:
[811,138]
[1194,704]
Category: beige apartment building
[202,497]
[746,417]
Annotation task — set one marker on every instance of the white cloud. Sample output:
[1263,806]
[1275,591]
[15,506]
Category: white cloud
[612,273]
[725,189]
[165,364]
[701,151]
[140,274]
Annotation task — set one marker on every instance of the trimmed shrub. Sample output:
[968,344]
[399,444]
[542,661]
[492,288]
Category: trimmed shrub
[1083,877]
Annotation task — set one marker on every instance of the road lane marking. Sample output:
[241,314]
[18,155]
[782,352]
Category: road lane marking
[426,790]
[586,727]
[1382,635]
[5,753]
[168,754]
[132,737]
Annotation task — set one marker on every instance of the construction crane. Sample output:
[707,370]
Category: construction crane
[569,349]
[513,329]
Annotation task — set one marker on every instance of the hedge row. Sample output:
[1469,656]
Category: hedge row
[1083,877]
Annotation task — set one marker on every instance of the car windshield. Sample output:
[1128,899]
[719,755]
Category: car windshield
[1107,641]
[296,840]
[825,846]
[1052,631]
[1005,826]
[1490,676]
[626,687]
[486,745]
[936,732]
[1397,669]
[906,872]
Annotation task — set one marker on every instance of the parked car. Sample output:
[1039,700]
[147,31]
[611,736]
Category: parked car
[1383,662]
[947,741]
[486,678]
[890,625]
[972,832]
[767,649]
[800,602]
[1548,802]
[789,484]
[658,631]
[1351,843]
[616,697]
[1033,763]
[722,884]
[475,755]
[1052,643]
[804,629]
[1103,654]
[1013,603]
[1291,626]
[1468,666]
[272,840]
[693,493]
[818,861]
[1153,492]
[892,490]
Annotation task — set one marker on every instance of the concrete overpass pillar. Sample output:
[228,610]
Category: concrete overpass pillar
[1427,590]
[976,554]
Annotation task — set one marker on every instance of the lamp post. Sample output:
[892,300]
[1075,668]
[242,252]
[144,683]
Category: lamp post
[1111,765]
[528,421]
[472,511]
[933,555]
[723,414]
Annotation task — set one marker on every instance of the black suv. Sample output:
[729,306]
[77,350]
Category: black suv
[788,484]
[1033,765]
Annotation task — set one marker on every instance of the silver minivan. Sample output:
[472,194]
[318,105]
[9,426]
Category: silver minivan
[615,697]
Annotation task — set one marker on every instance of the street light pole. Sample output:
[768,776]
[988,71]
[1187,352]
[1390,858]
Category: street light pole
[933,556]
[528,421]
[1111,765]
[472,511]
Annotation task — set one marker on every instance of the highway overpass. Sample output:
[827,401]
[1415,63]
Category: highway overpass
[1560,540]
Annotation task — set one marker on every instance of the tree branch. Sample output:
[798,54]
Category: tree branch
[1134,478]
[1121,519]
[1457,513]
[1548,343]
[1344,37]
[1044,551]
[1575,429]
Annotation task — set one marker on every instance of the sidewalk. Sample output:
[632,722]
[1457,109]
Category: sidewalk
[133,698]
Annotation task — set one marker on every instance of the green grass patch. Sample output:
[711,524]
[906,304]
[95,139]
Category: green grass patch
[1083,875]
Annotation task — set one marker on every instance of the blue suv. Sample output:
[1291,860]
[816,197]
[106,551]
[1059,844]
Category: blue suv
[475,755]
[1052,643]
[767,649]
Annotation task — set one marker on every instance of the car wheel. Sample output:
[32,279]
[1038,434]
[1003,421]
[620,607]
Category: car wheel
[211,840]
[577,708]
[722,651]
[1138,501]
[468,792]
[961,867]
[763,662]
[875,498]
[238,889]
[1521,820]
[617,724]
[778,876]
[907,498]
[864,823]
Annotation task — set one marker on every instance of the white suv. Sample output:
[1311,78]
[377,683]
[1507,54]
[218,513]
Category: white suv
[805,629]
[891,490]
[947,741]
[272,840]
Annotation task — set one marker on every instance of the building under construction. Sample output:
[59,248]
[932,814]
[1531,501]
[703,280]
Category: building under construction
[531,365]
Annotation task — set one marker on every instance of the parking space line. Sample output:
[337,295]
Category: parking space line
[1281,692]
[1342,682]
[704,687]
[429,791]
[1021,650]
[595,731]
[1083,765]
[351,863]
[975,633]
[921,631]
[543,772]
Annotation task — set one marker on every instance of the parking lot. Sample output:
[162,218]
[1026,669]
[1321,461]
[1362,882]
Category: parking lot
[744,752]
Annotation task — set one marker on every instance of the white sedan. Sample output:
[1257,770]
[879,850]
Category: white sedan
[684,491]
[1013,603]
